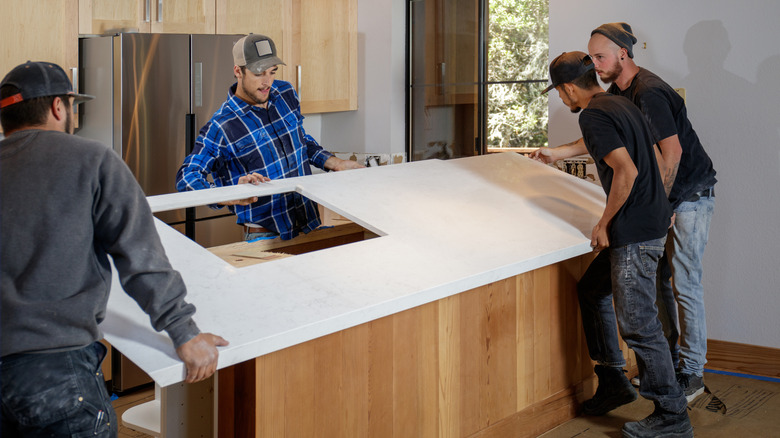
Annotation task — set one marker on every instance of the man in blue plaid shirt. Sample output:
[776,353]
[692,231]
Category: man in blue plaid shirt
[257,135]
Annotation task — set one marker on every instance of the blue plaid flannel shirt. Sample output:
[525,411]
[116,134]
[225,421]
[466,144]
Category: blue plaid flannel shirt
[240,139]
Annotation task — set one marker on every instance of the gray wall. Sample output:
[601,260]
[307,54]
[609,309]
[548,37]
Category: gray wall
[377,127]
[725,55]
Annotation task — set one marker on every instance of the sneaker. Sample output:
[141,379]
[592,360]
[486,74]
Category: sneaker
[660,424]
[614,390]
[691,384]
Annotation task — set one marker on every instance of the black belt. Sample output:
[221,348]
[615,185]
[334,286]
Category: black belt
[256,230]
[706,193]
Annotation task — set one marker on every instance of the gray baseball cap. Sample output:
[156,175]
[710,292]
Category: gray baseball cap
[256,52]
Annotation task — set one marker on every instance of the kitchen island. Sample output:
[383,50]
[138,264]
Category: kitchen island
[460,319]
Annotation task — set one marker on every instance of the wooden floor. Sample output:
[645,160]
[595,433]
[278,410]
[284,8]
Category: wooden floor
[128,401]
[753,409]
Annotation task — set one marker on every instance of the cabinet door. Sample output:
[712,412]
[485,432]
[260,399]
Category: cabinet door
[183,16]
[264,17]
[324,54]
[102,17]
[44,31]
[451,42]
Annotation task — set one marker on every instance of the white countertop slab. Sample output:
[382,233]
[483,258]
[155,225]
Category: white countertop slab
[445,227]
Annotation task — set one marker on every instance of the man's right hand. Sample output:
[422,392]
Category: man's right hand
[543,154]
[252,178]
[200,356]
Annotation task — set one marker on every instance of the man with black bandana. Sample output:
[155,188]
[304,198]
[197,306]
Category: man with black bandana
[689,179]
[630,237]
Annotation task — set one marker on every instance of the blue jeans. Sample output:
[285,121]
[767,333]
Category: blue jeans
[685,249]
[632,272]
[59,394]
[249,237]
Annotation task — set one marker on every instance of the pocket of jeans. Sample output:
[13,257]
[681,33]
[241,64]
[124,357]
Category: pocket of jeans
[650,255]
[39,394]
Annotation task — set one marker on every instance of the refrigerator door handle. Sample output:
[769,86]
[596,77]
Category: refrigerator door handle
[159,11]
[197,81]
[147,11]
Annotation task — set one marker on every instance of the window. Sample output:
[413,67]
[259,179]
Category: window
[477,71]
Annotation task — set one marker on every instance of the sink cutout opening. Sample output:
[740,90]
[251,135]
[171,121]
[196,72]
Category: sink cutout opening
[336,230]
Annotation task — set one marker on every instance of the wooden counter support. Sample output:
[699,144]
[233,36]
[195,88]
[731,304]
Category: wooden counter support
[504,359]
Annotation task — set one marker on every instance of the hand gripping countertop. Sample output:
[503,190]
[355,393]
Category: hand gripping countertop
[445,227]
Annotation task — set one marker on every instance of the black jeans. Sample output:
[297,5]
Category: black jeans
[57,395]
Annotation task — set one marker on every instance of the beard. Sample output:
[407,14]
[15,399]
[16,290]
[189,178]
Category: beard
[572,107]
[69,122]
[611,76]
[251,95]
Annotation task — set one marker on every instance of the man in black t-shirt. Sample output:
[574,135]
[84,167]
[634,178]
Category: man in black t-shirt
[630,237]
[689,179]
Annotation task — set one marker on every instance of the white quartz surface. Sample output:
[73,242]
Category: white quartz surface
[445,227]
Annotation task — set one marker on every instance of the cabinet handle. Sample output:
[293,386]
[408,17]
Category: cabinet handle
[300,81]
[147,11]
[159,11]
[74,73]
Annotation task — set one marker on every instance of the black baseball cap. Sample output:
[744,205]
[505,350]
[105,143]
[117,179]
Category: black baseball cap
[39,79]
[567,67]
[256,52]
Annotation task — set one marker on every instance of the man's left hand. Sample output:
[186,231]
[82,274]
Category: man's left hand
[200,355]
[337,164]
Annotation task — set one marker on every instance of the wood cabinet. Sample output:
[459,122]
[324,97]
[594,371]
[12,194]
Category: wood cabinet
[47,30]
[451,43]
[317,40]
[324,54]
[28,34]
[98,17]
[265,17]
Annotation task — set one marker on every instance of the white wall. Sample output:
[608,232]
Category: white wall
[377,127]
[726,55]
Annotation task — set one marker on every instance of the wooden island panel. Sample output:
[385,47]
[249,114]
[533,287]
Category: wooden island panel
[505,359]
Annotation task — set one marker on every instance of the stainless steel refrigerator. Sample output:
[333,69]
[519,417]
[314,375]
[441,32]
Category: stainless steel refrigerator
[153,93]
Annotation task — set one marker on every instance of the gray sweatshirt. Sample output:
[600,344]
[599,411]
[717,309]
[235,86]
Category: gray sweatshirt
[66,204]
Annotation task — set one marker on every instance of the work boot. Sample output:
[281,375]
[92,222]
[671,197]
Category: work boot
[691,384]
[660,424]
[614,390]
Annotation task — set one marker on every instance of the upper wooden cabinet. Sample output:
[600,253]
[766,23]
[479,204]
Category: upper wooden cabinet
[265,17]
[27,34]
[317,40]
[325,47]
[451,43]
[98,17]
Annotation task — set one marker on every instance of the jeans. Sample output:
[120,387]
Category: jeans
[632,272]
[266,235]
[59,394]
[685,248]
[667,306]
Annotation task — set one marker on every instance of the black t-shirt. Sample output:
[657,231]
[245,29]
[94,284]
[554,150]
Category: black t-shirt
[612,122]
[666,112]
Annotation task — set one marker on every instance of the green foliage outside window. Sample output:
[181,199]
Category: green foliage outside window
[517,51]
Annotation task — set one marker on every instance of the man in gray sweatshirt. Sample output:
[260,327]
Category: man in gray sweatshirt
[67,204]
